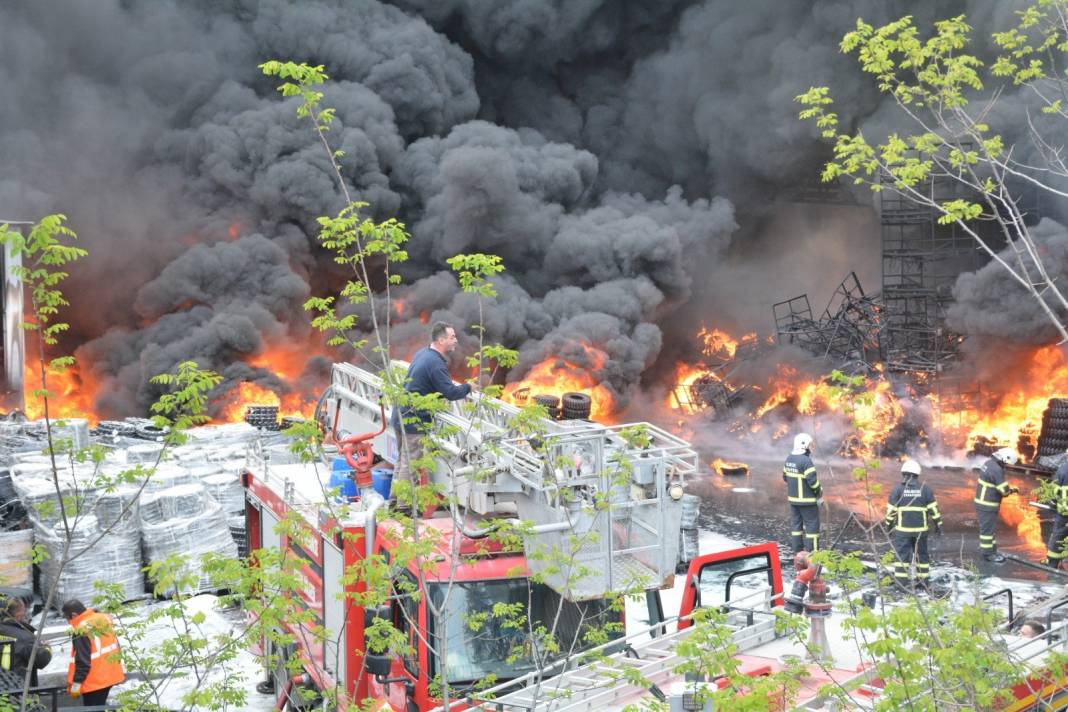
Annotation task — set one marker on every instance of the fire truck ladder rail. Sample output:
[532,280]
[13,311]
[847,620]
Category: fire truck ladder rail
[602,683]
[596,494]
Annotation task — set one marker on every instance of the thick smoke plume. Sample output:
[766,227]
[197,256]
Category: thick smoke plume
[608,151]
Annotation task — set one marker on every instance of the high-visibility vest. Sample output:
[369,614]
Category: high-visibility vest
[7,645]
[105,665]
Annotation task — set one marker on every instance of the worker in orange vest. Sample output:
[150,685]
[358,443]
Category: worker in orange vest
[95,664]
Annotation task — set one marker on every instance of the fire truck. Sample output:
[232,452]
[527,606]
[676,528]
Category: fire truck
[551,485]
[610,500]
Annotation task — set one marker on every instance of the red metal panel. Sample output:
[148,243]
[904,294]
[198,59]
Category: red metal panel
[689,594]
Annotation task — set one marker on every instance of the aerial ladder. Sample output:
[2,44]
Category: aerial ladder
[614,495]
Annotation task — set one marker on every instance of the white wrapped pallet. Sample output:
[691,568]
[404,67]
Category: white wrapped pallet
[114,558]
[167,476]
[16,549]
[185,520]
[226,489]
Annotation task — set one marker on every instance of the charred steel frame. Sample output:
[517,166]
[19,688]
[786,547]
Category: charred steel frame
[846,332]
[921,260]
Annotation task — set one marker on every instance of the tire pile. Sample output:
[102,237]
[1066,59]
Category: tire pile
[570,406]
[1053,438]
[264,417]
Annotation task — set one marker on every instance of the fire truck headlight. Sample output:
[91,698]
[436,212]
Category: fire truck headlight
[675,491]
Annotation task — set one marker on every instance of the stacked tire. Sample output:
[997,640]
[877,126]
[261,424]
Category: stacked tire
[1053,438]
[550,403]
[575,406]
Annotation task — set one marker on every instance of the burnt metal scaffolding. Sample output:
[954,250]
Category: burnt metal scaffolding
[921,261]
[847,331]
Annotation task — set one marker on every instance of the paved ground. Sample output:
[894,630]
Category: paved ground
[753,508]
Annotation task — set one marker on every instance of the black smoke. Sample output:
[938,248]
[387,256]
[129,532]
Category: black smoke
[623,158]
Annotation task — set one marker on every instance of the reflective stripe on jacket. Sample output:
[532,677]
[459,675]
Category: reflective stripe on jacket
[911,507]
[990,486]
[7,645]
[105,665]
[802,485]
[1060,482]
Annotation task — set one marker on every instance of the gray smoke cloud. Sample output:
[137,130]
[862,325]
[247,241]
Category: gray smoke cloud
[606,150]
[990,304]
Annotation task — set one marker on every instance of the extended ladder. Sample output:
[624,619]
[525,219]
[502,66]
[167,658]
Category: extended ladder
[600,493]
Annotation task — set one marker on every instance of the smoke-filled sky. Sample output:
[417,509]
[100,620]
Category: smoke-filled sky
[628,161]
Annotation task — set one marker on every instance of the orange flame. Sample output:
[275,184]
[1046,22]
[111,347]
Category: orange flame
[718,342]
[287,361]
[1024,519]
[1044,376]
[70,396]
[556,375]
[734,467]
[685,377]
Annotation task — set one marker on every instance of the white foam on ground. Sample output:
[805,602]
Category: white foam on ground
[244,671]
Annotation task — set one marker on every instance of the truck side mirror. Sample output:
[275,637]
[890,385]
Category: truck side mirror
[378,665]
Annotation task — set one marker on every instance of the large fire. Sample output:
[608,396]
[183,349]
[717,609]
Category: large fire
[1011,416]
[1043,376]
[557,375]
[69,395]
[72,392]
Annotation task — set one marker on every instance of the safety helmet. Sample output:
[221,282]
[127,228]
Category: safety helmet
[802,442]
[1006,455]
[910,468]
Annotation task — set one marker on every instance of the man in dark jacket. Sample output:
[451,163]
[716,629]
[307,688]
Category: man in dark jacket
[428,373]
[13,625]
[990,489]
[911,510]
[804,493]
[1056,549]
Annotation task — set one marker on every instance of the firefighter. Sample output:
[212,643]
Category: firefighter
[990,489]
[805,495]
[1055,550]
[911,511]
[22,639]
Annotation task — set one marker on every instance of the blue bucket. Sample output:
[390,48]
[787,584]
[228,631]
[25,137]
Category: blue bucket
[341,478]
[382,479]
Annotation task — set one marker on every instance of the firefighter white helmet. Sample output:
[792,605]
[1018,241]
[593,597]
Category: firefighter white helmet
[802,443]
[910,468]
[1006,456]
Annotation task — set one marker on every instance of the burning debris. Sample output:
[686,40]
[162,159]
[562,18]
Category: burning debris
[726,468]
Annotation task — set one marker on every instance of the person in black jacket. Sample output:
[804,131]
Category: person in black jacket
[1056,549]
[804,493]
[13,625]
[911,510]
[428,373]
[990,489]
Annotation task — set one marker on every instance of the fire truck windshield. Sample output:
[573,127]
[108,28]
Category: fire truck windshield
[487,629]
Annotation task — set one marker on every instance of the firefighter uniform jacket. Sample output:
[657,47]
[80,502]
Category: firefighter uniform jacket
[912,507]
[1060,482]
[991,487]
[802,485]
[94,653]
